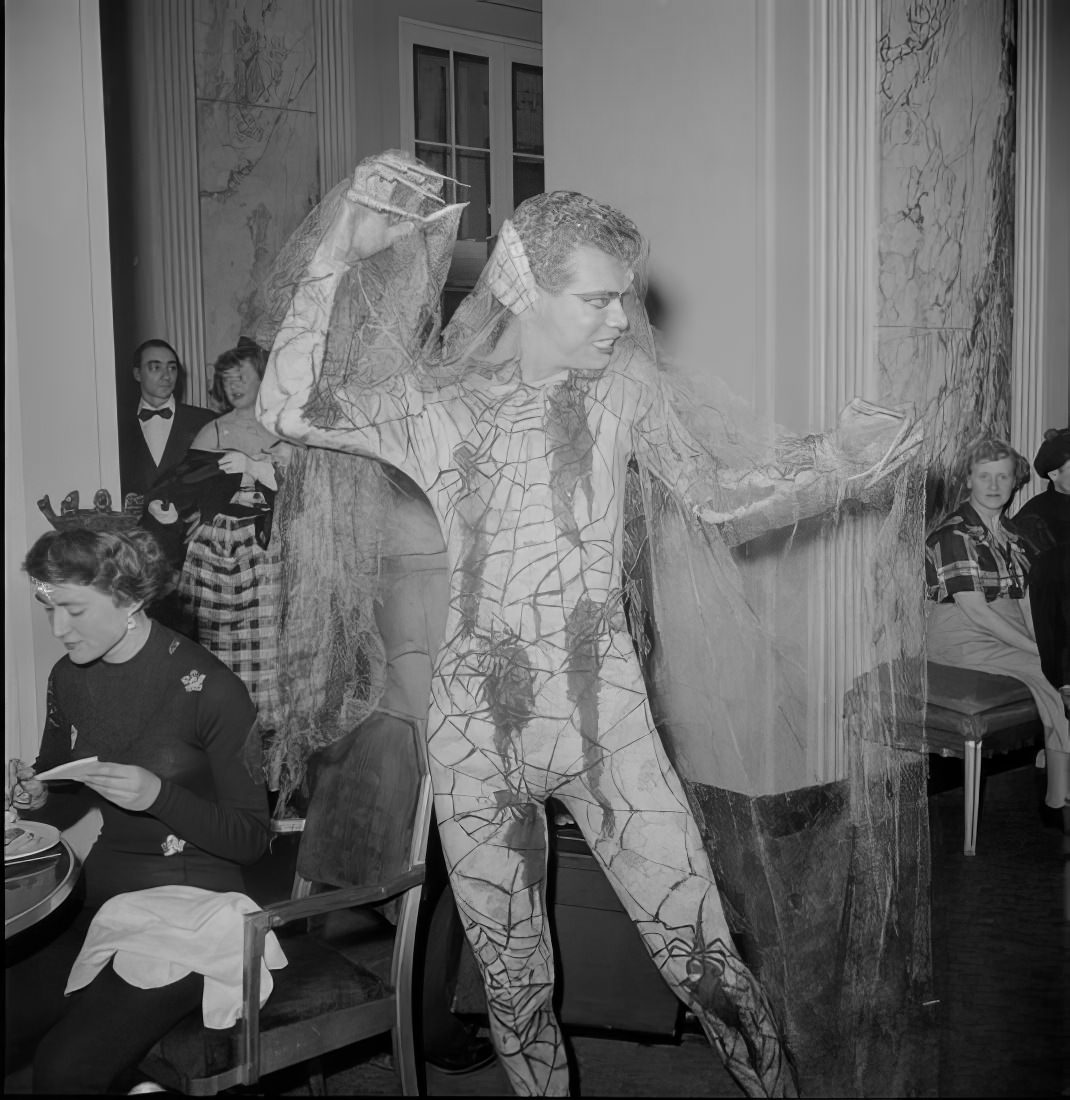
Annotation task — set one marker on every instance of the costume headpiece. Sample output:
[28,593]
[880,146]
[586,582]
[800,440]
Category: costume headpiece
[1054,451]
[508,273]
[100,517]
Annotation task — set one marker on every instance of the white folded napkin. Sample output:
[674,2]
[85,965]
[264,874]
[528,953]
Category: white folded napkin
[158,936]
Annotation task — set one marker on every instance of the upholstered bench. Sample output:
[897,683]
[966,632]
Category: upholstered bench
[974,714]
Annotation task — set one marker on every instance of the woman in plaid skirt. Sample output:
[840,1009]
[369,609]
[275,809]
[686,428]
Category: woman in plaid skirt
[229,582]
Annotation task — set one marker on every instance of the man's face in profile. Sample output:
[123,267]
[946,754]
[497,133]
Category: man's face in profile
[584,320]
[157,374]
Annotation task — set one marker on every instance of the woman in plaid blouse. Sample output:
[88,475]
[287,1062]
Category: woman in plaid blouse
[978,616]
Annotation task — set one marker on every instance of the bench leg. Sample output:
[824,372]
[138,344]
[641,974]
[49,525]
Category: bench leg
[971,795]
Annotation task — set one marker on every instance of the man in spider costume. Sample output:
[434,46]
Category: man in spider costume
[519,425]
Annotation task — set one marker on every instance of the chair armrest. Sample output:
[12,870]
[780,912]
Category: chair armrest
[256,927]
[279,913]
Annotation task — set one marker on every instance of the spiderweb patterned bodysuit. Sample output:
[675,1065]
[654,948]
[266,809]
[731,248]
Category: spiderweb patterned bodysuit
[537,691]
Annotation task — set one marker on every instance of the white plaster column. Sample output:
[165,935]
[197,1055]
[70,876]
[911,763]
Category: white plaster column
[169,284]
[1029,416]
[59,384]
[844,175]
[336,92]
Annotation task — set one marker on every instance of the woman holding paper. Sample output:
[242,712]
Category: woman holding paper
[177,783]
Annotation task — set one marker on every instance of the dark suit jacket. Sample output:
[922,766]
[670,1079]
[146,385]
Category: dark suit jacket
[137,471]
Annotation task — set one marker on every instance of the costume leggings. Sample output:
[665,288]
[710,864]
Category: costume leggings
[491,783]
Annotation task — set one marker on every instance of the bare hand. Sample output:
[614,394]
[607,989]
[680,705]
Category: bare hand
[127,785]
[234,462]
[161,514]
[22,791]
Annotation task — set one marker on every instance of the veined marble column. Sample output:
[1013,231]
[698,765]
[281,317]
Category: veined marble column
[257,148]
[947,222]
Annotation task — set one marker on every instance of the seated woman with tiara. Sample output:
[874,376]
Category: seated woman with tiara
[173,767]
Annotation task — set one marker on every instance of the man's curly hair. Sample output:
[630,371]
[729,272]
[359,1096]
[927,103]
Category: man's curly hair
[552,226]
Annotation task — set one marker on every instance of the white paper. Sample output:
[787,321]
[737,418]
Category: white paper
[72,770]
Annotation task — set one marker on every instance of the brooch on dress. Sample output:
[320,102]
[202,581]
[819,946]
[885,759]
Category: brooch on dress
[193,680]
[171,845]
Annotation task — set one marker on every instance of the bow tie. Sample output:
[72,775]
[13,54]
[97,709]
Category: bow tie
[147,414]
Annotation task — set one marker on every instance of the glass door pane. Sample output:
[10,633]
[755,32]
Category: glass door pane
[471,76]
[431,81]
[529,178]
[436,157]
[527,109]
[474,169]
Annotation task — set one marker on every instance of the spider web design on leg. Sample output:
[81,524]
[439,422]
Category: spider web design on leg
[734,1012]
[498,886]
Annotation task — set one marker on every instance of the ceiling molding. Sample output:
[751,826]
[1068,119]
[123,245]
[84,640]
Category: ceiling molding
[524,5]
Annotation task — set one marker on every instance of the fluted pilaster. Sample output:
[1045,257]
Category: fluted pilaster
[336,92]
[168,215]
[1029,417]
[844,188]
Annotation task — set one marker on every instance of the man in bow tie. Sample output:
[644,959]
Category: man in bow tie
[157,437]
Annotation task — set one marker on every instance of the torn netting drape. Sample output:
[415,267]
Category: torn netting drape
[732,629]
[337,512]
[734,615]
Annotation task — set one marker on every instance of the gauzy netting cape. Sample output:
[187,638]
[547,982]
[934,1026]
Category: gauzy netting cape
[709,623]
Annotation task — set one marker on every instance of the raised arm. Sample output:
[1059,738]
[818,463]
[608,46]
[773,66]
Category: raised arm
[384,255]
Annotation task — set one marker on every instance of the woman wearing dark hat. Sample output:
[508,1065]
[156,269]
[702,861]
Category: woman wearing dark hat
[1044,523]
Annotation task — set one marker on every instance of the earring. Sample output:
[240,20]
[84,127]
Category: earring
[130,623]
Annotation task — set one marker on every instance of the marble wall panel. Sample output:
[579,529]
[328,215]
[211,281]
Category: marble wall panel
[256,52]
[946,237]
[959,388]
[259,176]
[257,146]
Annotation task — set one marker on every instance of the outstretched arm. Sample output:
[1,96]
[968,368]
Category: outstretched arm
[799,478]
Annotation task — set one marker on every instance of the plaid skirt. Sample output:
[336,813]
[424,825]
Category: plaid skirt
[230,586]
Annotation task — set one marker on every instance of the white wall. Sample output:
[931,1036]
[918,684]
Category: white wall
[694,118]
[673,152]
[59,382]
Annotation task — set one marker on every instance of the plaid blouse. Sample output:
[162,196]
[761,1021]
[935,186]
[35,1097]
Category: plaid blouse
[961,556]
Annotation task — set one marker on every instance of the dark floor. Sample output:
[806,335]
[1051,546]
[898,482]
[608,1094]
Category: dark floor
[1001,951]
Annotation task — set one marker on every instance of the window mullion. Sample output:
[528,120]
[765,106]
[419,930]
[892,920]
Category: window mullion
[501,188]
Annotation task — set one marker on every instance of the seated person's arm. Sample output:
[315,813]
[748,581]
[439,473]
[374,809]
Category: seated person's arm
[975,607]
[235,824]
[29,794]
